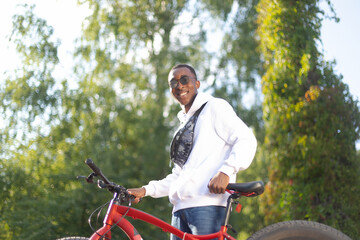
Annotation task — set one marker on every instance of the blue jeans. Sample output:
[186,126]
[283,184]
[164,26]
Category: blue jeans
[198,220]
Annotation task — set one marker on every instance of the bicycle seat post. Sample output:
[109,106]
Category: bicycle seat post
[230,201]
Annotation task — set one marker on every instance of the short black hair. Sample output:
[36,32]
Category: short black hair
[182,65]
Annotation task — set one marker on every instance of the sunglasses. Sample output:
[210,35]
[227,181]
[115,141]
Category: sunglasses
[183,80]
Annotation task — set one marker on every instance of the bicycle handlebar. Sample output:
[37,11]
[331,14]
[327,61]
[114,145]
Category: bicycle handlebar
[112,187]
[97,170]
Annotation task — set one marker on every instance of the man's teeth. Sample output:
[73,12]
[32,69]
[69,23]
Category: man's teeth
[182,94]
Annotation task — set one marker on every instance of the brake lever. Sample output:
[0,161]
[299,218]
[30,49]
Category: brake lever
[90,178]
[101,184]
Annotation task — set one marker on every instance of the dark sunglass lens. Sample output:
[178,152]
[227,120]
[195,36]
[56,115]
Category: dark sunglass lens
[184,80]
[173,83]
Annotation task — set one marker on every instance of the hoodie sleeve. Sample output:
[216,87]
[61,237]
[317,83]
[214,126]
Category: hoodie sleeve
[235,133]
[160,188]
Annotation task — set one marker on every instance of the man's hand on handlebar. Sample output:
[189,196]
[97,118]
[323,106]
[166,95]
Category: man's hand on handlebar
[138,193]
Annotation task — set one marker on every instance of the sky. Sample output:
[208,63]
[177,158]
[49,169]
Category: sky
[340,41]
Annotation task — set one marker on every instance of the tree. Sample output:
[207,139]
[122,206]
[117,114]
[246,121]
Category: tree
[119,112]
[29,95]
[311,121]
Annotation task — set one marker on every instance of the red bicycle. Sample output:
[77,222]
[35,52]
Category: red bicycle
[120,208]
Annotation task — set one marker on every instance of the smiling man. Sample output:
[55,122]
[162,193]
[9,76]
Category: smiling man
[184,85]
[210,146]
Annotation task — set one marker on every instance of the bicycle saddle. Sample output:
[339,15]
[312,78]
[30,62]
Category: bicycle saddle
[255,187]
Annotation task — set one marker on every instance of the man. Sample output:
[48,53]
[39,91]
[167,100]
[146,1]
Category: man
[218,145]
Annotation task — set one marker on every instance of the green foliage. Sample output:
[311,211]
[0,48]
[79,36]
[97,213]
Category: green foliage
[31,92]
[311,120]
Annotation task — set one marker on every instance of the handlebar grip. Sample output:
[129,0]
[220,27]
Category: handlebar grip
[96,170]
[92,165]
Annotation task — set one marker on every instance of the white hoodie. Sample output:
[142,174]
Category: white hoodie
[222,142]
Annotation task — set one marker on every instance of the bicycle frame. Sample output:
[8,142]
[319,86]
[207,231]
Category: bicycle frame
[116,212]
[116,215]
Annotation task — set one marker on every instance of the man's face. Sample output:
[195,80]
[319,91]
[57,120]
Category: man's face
[183,93]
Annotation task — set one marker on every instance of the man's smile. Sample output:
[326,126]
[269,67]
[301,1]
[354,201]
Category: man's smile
[183,94]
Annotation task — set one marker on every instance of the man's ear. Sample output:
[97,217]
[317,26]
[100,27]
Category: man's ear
[197,84]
